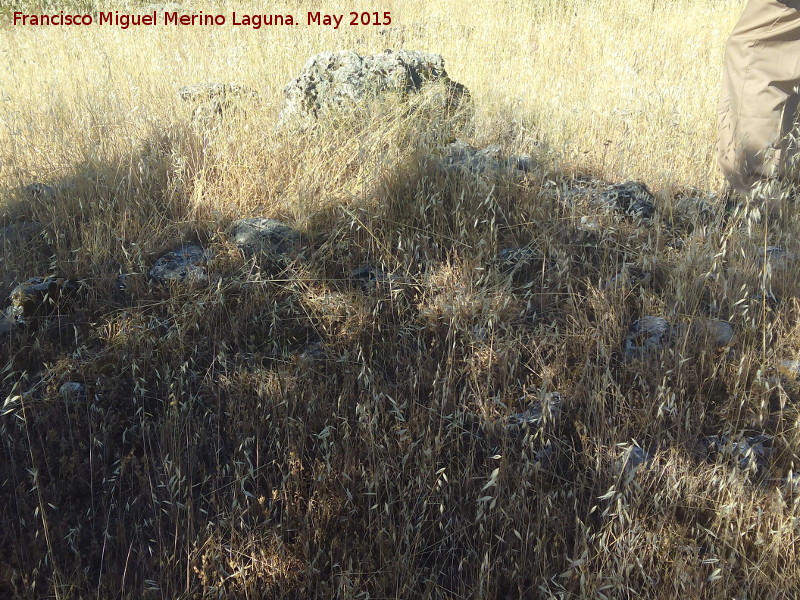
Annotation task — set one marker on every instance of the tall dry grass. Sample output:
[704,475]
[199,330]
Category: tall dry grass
[288,434]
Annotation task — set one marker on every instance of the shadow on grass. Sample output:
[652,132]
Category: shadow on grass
[297,430]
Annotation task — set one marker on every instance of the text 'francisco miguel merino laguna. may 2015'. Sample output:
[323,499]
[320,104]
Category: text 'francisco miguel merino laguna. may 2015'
[254,21]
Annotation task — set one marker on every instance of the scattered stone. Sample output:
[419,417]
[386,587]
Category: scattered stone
[632,198]
[720,333]
[789,369]
[461,156]
[258,235]
[539,412]
[338,79]
[633,457]
[589,225]
[369,277]
[186,264]
[521,162]
[73,390]
[313,353]
[40,191]
[39,297]
[647,335]
[568,189]
[215,99]
[18,233]
[628,278]
[215,91]
[751,453]
[48,193]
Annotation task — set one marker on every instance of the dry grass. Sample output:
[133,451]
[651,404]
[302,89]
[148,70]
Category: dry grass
[216,456]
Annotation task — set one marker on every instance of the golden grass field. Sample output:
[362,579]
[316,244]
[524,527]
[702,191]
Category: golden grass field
[211,458]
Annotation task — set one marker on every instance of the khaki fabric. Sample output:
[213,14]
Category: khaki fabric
[759,92]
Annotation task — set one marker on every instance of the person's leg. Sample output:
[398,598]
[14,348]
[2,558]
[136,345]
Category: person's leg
[759,92]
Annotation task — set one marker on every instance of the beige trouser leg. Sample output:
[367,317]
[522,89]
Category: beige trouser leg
[759,92]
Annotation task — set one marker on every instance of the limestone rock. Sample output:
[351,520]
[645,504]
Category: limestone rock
[632,198]
[539,412]
[632,458]
[589,224]
[41,191]
[215,99]
[72,390]
[645,336]
[215,91]
[369,277]
[48,193]
[261,236]
[461,156]
[750,453]
[186,264]
[39,297]
[338,79]
[313,353]
[789,368]
[17,233]
[720,333]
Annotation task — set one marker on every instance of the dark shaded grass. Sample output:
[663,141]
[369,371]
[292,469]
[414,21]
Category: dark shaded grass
[216,456]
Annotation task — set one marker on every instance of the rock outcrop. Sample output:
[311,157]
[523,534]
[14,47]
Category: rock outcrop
[341,79]
[749,453]
[631,198]
[459,156]
[73,391]
[369,277]
[650,335]
[39,296]
[265,237]
[185,265]
[719,333]
[41,191]
[647,335]
[540,411]
[631,459]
